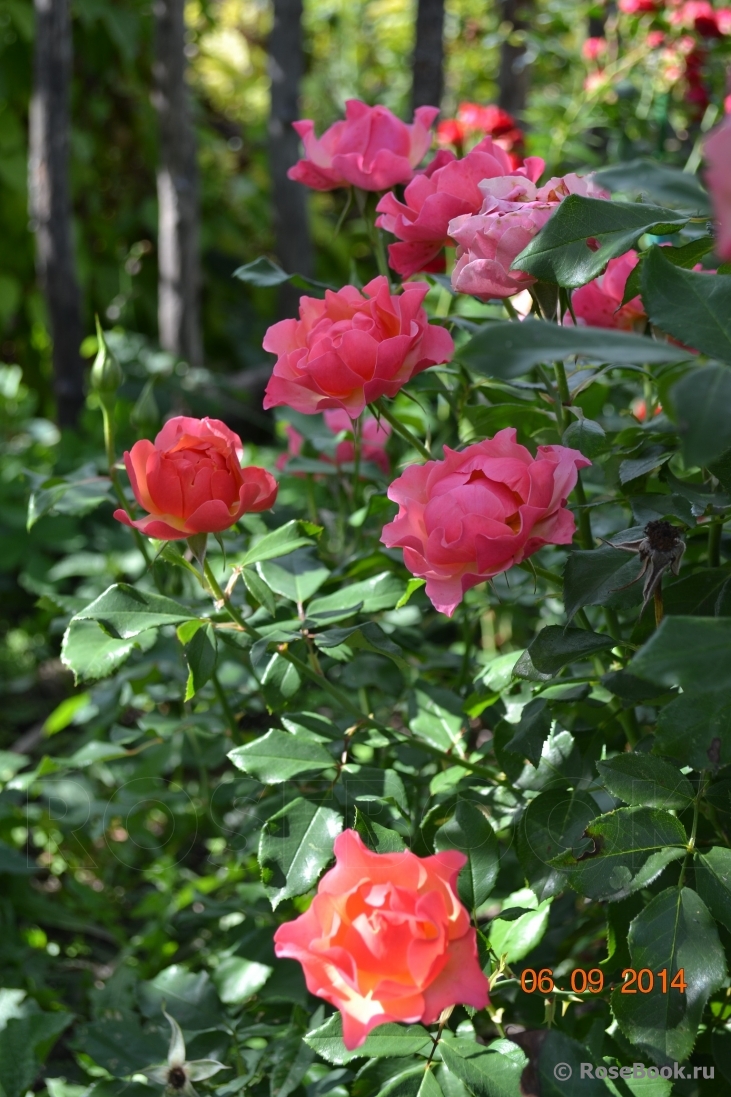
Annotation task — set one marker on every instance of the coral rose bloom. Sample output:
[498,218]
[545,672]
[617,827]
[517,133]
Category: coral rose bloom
[190,480]
[514,210]
[447,189]
[386,939]
[479,511]
[371,149]
[352,348]
[718,177]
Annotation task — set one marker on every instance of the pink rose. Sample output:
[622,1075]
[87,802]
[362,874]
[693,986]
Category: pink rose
[352,348]
[386,939]
[717,151]
[514,210]
[437,196]
[597,304]
[480,511]
[191,480]
[372,149]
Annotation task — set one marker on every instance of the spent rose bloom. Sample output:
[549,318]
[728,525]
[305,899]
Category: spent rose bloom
[717,151]
[514,210]
[371,149]
[190,480]
[447,189]
[386,939]
[479,511]
[599,303]
[352,348]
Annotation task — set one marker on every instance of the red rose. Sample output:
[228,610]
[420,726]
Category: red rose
[190,480]
[386,939]
[479,511]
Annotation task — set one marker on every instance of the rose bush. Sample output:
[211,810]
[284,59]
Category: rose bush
[480,511]
[352,348]
[190,480]
[386,939]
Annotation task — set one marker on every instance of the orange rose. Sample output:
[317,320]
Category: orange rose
[190,480]
[386,939]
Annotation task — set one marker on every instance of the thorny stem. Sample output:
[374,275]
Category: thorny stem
[379,408]
[564,395]
[223,701]
[337,694]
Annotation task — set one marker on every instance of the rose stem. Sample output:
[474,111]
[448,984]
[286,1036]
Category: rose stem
[337,694]
[380,409]
[714,543]
[659,608]
[357,444]
[223,701]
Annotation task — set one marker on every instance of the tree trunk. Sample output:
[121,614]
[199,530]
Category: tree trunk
[50,202]
[514,73]
[178,301]
[428,61]
[289,199]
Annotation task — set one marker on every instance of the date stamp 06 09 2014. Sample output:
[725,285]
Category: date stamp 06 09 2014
[643,981]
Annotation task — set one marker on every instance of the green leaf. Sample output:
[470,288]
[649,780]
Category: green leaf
[692,307]
[658,182]
[294,847]
[553,824]
[200,655]
[378,838]
[237,979]
[415,1082]
[686,256]
[78,493]
[558,1048]
[492,1071]
[514,938]
[14,863]
[385,1042]
[369,596]
[691,652]
[190,997]
[675,930]
[531,731]
[643,780]
[278,756]
[259,591]
[695,729]
[507,349]
[586,436]
[279,542]
[701,401]
[470,832]
[438,718]
[261,272]
[92,654]
[24,1044]
[120,1046]
[593,577]
[555,647]
[367,637]
[411,587]
[631,848]
[125,611]
[296,576]
[713,882]
[561,254]
[293,1060]
[280,681]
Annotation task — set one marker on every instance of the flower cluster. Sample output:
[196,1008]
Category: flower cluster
[386,937]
